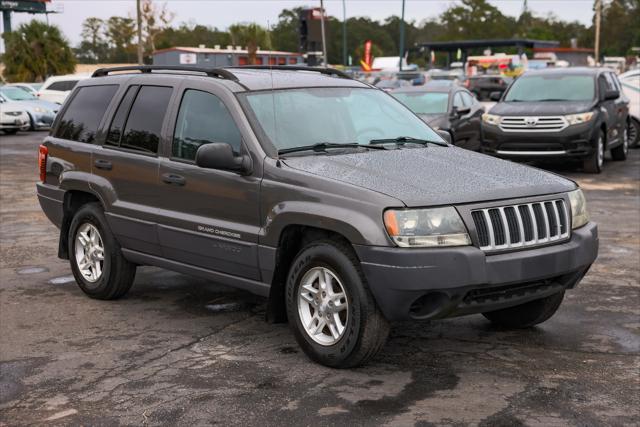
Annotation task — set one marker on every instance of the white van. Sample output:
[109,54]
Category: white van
[57,88]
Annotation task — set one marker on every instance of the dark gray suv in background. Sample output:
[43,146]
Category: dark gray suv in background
[322,193]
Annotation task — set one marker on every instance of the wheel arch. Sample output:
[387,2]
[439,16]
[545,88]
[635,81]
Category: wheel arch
[73,201]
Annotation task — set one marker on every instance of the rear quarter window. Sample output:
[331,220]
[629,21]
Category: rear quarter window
[62,86]
[82,117]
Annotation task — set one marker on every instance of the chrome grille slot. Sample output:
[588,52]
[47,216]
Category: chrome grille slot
[521,225]
[533,123]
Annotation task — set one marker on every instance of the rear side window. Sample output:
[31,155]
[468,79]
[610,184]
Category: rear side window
[143,126]
[117,124]
[62,86]
[203,119]
[82,118]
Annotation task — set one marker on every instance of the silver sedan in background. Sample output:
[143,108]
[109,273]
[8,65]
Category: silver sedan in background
[40,113]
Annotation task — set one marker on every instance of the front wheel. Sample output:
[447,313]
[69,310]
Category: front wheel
[620,152]
[97,263]
[634,133]
[593,163]
[527,314]
[331,311]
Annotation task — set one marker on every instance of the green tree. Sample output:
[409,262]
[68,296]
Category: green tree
[252,36]
[192,35]
[35,51]
[154,20]
[120,33]
[93,48]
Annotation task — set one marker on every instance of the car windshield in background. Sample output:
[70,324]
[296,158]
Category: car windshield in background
[552,88]
[424,103]
[16,94]
[304,117]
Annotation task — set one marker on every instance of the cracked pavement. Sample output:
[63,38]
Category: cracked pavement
[182,351]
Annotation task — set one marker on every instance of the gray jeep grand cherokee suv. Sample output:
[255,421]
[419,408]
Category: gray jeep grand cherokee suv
[322,193]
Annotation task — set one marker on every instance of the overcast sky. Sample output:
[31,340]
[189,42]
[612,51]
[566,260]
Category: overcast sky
[222,13]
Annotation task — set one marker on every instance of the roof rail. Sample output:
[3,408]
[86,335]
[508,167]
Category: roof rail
[321,70]
[211,72]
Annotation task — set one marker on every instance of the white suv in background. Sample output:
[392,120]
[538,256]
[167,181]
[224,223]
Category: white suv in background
[57,88]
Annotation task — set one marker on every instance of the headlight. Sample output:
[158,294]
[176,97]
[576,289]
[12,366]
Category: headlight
[576,119]
[491,119]
[579,214]
[426,227]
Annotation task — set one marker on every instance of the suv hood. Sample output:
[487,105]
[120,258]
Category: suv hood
[433,175]
[546,108]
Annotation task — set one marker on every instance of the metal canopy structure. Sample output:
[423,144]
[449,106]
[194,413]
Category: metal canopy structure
[465,45]
[21,6]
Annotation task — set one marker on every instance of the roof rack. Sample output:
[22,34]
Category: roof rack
[211,72]
[321,70]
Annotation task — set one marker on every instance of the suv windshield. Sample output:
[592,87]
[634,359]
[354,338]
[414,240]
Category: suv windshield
[304,117]
[16,94]
[424,103]
[552,88]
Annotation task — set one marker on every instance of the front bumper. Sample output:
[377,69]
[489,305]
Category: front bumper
[10,122]
[442,282]
[577,141]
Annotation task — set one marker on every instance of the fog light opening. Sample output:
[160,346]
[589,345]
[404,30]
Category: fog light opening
[429,305]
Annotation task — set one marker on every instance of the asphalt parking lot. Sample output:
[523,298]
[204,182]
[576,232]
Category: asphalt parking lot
[179,350]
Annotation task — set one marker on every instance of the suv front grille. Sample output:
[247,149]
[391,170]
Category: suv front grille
[533,123]
[522,225]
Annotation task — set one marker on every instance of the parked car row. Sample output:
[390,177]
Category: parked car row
[575,114]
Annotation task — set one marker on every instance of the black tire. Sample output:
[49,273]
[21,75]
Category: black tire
[117,273]
[634,133]
[527,314]
[620,152]
[366,329]
[32,123]
[10,131]
[593,163]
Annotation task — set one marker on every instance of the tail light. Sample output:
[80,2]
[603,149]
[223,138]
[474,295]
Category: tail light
[43,152]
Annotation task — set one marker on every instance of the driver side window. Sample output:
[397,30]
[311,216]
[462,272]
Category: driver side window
[203,118]
[457,101]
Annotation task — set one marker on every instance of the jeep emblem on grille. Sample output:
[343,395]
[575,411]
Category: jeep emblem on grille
[531,122]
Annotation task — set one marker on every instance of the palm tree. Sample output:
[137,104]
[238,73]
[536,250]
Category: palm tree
[35,51]
[250,35]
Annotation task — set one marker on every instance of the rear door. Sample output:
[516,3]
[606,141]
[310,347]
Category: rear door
[128,165]
[208,218]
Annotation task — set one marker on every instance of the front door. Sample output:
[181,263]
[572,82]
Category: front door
[208,218]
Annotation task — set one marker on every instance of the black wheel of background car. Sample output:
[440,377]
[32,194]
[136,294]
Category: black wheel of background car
[96,259]
[331,311]
[634,133]
[527,314]
[10,131]
[593,163]
[620,152]
[32,123]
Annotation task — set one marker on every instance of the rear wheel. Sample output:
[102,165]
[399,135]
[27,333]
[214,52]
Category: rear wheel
[593,164]
[96,260]
[620,152]
[331,311]
[527,314]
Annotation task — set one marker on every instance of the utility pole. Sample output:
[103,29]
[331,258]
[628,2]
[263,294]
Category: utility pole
[401,38]
[324,39]
[344,33]
[139,19]
[598,7]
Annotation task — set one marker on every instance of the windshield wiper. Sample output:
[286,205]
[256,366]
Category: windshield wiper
[322,147]
[402,140]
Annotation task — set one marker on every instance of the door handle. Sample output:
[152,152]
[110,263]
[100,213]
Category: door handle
[103,164]
[171,178]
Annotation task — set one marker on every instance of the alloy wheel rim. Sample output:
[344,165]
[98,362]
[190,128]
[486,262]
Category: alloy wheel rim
[89,252]
[625,141]
[632,134]
[323,306]
[600,152]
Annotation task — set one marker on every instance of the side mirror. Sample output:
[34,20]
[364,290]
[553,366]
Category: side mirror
[495,96]
[611,94]
[219,155]
[444,135]
[461,111]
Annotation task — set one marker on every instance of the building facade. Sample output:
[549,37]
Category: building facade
[218,57]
